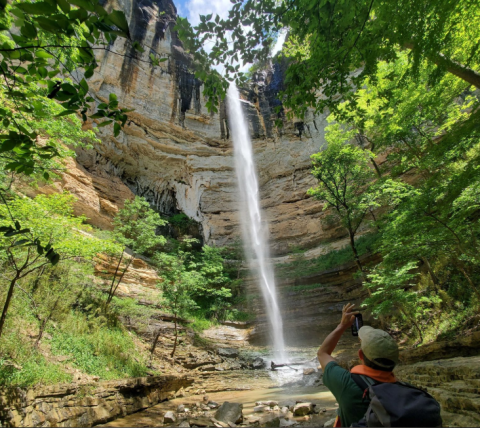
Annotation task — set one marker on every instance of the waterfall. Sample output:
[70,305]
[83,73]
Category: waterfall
[255,231]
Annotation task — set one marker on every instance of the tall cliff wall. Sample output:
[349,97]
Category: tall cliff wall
[177,154]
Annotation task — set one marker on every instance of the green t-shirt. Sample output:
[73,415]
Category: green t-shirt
[348,394]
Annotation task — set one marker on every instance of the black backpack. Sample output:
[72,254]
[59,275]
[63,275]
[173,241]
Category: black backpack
[397,405]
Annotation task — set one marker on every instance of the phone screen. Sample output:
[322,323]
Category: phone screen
[357,324]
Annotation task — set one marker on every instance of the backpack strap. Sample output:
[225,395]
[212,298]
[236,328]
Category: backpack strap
[364,383]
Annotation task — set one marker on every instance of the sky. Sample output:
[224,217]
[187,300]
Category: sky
[192,9]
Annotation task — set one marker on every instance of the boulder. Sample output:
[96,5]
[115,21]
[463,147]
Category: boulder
[261,408]
[183,424]
[309,371]
[228,352]
[302,409]
[258,363]
[169,417]
[229,412]
[275,422]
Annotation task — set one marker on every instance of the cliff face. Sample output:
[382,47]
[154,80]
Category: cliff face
[177,155]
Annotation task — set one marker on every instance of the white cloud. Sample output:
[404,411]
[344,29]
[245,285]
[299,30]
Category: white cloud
[279,43]
[205,7]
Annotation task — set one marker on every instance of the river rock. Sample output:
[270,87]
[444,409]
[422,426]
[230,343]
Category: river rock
[270,403]
[261,408]
[302,409]
[183,424]
[200,421]
[229,412]
[169,417]
[258,363]
[228,352]
[290,404]
[275,422]
[213,405]
[309,371]
[287,423]
[181,408]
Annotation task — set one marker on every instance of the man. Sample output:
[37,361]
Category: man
[378,356]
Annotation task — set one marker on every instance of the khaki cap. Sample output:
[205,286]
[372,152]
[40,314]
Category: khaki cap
[376,344]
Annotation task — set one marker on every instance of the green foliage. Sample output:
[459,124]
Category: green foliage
[97,349]
[304,267]
[44,47]
[181,221]
[332,46]
[135,226]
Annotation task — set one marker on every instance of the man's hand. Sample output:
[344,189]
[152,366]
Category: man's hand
[348,315]
[328,346]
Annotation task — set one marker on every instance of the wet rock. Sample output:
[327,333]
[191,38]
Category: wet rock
[303,409]
[286,423]
[287,403]
[219,423]
[258,363]
[275,422]
[285,409]
[200,422]
[253,420]
[228,352]
[213,405]
[270,403]
[309,371]
[261,408]
[169,417]
[181,408]
[229,412]
[329,423]
[183,424]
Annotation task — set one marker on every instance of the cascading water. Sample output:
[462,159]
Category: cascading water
[255,231]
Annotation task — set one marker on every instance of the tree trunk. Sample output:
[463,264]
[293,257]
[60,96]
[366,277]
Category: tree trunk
[154,344]
[461,71]
[435,280]
[7,303]
[465,274]
[357,260]
[112,293]
[176,337]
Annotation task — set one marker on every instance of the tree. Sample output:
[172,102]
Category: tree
[178,286]
[135,228]
[47,51]
[49,223]
[344,175]
[335,45]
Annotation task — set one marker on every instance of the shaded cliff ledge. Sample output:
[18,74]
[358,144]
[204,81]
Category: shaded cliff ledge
[73,405]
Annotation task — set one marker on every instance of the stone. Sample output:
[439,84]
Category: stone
[287,403]
[284,409]
[181,408]
[275,422]
[228,352]
[302,409]
[307,372]
[229,412]
[253,420]
[205,399]
[270,403]
[259,409]
[213,405]
[169,417]
[200,421]
[183,424]
[287,423]
[219,423]
[329,423]
[258,363]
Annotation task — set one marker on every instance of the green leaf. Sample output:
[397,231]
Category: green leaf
[105,123]
[83,4]
[116,129]
[112,97]
[37,8]
[65,113]
[64,5]
[40,53]
[49,25]
[29,30]
[21,242]
[118,19]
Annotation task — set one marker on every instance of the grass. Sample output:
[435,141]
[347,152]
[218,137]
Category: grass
[304,267]
[100,350]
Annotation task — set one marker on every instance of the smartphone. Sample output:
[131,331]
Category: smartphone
[357,324]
